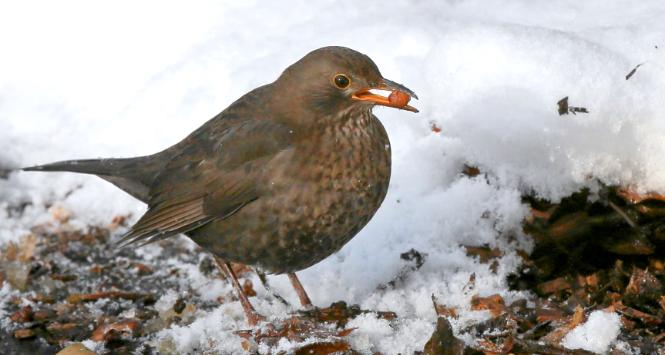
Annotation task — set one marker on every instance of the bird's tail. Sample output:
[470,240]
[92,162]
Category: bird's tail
[112,167]
[133,175]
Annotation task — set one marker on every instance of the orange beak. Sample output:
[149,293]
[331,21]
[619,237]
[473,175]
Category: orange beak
[399,97]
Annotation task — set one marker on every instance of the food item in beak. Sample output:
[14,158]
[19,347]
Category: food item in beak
[399,99]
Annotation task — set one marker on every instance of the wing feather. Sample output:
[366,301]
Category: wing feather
[165,222]
[213,174]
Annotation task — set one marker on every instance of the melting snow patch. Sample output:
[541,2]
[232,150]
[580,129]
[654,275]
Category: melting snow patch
[597,334]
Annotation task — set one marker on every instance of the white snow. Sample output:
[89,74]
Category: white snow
[596,334]
[209,332]
[84,80]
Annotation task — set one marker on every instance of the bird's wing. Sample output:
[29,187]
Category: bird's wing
[215,172]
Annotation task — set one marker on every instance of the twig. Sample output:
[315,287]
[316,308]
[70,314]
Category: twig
[623,214]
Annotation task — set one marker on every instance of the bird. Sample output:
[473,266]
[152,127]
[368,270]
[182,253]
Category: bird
[279,180]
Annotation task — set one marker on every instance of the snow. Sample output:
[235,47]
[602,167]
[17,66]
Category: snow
[378,335]
[209,332]
[83,80]
[596,334]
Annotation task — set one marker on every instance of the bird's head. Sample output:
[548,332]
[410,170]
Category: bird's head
[333,79]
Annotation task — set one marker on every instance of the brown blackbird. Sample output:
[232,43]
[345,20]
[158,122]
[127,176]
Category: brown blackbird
[280,180]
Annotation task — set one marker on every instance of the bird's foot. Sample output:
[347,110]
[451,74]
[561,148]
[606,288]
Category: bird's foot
[302,294]
[297,329]
[253,318]
[266,285]
[329,324]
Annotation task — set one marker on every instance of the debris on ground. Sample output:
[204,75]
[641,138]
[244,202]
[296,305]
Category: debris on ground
[594,252]
[600,251]
[564,108]
[74,286]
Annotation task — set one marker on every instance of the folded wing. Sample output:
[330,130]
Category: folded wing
[214,172]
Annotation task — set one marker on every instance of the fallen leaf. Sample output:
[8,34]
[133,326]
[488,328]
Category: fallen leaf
[555,336]
[60,213]
[23,315]
[634,197]
[643,317]
[443,311]
[24,333]
[442,341]
[116,330]
[643,286]
[470,171]
[248,288]
[27,247]
[324,348]
[553,286]
[90,297]
[494,303]
[484,253]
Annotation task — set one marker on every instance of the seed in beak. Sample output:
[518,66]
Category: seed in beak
[399,99]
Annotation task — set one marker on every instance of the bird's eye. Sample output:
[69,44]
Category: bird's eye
[342,81]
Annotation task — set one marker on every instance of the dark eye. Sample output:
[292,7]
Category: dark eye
[342,81]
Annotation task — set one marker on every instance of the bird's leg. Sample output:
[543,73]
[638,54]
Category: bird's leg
[266,285]
[253,318]
[304,299]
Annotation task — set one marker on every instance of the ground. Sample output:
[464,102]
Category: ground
[594,269]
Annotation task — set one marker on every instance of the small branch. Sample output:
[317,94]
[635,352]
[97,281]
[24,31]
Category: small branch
[623,214]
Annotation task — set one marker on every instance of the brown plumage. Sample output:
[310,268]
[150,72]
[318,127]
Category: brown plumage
[281,179]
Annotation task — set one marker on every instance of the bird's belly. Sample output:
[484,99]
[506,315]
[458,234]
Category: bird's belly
[295,228]
[312,209]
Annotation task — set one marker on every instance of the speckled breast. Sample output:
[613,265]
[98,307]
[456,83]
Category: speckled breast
[319,195]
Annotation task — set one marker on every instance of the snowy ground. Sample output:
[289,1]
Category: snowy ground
[81,80]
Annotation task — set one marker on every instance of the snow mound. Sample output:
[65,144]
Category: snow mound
[596,334]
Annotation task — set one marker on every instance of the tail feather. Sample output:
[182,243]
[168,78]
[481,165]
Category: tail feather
[133,175]
[86,166]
